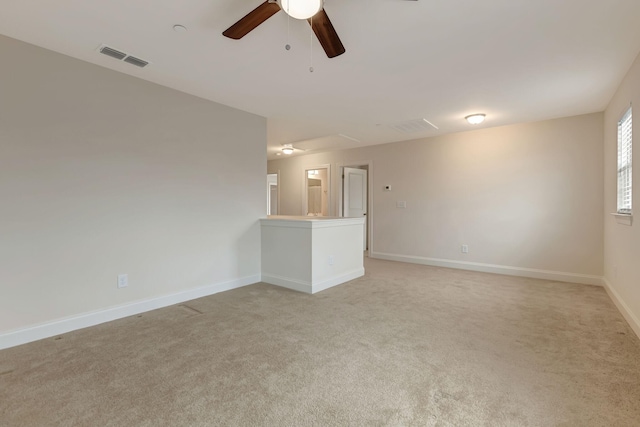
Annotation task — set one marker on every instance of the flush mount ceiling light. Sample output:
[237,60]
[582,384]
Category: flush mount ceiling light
[476,119]
[288,149]
[301,9]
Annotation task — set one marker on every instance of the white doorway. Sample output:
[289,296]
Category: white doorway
[272,194]
[316,196]
[355,190]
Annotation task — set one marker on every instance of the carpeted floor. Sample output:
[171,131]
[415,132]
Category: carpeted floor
[404,345]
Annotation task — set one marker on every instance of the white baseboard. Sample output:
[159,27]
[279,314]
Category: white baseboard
[493,268]
[337,280]
[631,318]
[84,320]
[288,283]
[312,288]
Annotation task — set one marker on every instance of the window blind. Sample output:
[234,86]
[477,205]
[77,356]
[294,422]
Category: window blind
[624,163]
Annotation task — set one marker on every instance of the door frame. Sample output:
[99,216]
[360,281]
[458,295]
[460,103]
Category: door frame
[305,194]
[277,174]
[339,191]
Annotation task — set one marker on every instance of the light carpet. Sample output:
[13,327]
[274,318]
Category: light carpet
[403,345]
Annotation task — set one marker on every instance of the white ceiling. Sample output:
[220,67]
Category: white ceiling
[515,60]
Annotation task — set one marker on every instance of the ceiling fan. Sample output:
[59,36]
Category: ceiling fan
[311,10]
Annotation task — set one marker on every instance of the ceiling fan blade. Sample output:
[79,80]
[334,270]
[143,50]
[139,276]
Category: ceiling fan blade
[251,20]
[326,34]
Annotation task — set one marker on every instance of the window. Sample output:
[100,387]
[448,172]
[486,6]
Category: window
[624,164]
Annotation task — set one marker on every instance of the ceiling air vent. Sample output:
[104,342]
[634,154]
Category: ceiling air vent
[413,126]
[115,53]
[136,61]
[106,50]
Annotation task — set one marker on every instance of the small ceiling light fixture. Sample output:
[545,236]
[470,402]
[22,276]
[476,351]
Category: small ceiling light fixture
[288,149]
[301,9]
[476,119]
[179,28]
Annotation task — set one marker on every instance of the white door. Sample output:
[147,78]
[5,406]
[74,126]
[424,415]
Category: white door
[355,197]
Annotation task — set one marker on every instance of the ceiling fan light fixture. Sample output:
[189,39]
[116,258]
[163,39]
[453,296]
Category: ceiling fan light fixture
[288,149]
[301,9]
[475,119]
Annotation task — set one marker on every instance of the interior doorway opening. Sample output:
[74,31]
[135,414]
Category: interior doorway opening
[316,200]
[272,194]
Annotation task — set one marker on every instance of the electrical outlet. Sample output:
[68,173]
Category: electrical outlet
[331,260]
[465,249]
[401,204]
[123,280]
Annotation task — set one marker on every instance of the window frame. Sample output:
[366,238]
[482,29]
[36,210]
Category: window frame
[624,164]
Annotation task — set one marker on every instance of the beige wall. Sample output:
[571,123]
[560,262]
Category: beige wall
[622,242]
[528,196]
[102,174]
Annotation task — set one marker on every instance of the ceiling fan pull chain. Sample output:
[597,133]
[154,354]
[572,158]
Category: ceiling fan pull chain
[288,46]
[311,45]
